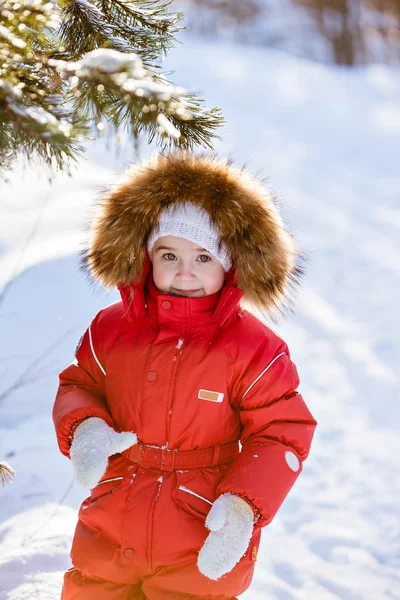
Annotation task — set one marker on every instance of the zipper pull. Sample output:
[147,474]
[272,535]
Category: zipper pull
[179,344]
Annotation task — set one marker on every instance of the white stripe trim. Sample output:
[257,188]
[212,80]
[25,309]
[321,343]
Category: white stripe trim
[261,374]
[108,480]
[184,489]
[94,353]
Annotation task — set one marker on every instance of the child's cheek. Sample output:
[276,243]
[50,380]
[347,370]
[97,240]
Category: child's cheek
[162,275]
[213,280]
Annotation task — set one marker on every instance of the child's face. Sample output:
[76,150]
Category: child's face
[181,268]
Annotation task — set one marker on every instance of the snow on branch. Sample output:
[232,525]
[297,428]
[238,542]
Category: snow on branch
[6,473]
[106,70]
[71,67]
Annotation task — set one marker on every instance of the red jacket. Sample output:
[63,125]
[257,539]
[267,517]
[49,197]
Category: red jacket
[142,365]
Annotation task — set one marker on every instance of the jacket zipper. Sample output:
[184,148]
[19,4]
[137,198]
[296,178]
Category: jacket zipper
[176,360]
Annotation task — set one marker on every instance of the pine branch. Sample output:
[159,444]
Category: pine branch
[152,17]
[112,87]
[33,118]
[147,30]
[68,70]
[6,473]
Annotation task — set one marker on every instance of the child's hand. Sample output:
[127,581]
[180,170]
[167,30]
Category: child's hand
[94,441]
[230,521]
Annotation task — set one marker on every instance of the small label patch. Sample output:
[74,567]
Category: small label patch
[210,396]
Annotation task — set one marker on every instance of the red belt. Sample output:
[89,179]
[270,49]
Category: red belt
[170,460]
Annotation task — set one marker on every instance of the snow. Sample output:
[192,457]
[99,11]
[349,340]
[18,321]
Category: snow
[147,87]
[92,7]
[111,61]
[6,34]
[38,114]
[179,344]
[165,126]
[327,139]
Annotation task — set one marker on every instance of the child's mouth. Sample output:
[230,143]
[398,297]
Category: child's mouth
[186,292]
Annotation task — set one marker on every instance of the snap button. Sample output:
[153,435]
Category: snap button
[151,375]
[128,553]
[292,461]
[166,304]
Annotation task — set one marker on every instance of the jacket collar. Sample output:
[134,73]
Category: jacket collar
[142,299]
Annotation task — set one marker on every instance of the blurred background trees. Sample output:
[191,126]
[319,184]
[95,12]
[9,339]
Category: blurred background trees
[71,68]
[345,32]
[358,31]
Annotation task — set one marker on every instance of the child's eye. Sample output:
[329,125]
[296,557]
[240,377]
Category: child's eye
[204,258]
[169,256]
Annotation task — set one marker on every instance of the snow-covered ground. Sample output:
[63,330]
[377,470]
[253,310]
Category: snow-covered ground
[328,139]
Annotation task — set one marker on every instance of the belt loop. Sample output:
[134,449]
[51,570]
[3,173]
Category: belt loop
[164,464]
[162,459]
[215,457]
[173,459]
[142,449]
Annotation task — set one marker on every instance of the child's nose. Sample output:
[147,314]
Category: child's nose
[185,272]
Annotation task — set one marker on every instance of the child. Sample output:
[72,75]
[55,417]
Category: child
[169,380]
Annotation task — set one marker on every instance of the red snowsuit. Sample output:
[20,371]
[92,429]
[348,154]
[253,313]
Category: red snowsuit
[184,374]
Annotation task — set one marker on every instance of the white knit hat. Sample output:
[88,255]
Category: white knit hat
[193,223]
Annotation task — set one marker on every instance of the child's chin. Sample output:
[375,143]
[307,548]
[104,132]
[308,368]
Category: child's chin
[173,292]
[198,294]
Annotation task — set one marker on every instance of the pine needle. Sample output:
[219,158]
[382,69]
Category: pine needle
[6,473]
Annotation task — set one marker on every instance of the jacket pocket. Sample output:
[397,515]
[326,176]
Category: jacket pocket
[117,470]
[193,502]
[104,488]
[195,490]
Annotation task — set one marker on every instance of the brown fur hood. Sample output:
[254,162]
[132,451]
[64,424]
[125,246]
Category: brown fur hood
[243,210]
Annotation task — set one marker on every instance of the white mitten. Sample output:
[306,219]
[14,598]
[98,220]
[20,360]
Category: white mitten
[94,441]
[231,521]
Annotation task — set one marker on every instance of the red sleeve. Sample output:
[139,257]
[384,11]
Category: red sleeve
[277,430]
[81,389]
